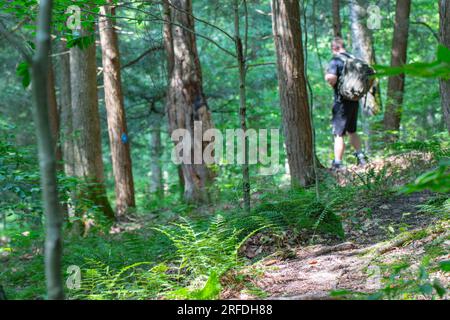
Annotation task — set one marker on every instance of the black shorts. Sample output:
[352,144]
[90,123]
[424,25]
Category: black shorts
[345,117]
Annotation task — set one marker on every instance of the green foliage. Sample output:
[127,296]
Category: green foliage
[439,146]
[445,265]
[190,258]
[211,290]
[101,282]
[439,205]
[193,271]
[202,251]
[437,69]
[23,71]
[401,284]
[19,183]
[302,212]
[437,180]
[80,42]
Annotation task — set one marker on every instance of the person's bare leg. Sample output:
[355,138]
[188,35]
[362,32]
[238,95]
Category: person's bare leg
[339,148]
[355,141]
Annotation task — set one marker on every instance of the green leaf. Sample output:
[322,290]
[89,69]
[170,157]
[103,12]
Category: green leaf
[439,288]
[211,290]
[437,180]
[443,53]
[23,71]
[426,289]
[340,293]
[445,265]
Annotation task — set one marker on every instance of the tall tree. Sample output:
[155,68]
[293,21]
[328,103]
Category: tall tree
[168,37]
[40,64]
[186,101]
[114,101]
[293,95]
[156,183]
[168,46]
[336,9]
[396,84]
[444,13]
[88,163]
[54,115]
[47,161]
[241,57]
[65,106]
[363,49]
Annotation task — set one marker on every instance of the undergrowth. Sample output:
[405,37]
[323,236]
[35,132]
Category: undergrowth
[190,258]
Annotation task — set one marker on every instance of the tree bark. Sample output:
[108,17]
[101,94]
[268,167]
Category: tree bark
[396,85]
[114,102]
[88,161]
[363,49]
[293,94]
[241,60]
[156,183]
[168,46]
[336,8]
[168,37]
[65,103]
[47,162]
[444,13]
[186,101]
[54,116]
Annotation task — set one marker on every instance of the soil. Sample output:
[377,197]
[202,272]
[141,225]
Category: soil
[317,270]
[313,271]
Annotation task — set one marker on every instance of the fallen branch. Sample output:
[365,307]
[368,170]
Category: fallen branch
[337,248]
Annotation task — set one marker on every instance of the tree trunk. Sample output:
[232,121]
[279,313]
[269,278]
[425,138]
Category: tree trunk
[47,163]
[168,37]
[114,102]
[444,13]
[54,116]
[293,94]
[363,49]
[65,103]
[156,183]
[396,85]
[168,45]
[186,101]
[336,8]
[86,126]
[241,60]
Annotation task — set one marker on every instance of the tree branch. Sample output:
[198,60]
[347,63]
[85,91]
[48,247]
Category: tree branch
[16,43]
[150,50]
[428,27]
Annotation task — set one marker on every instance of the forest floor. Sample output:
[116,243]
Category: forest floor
[389,243]
[383,239]
[354,265]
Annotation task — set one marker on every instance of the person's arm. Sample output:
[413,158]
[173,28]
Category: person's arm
[331,79]
[331,75]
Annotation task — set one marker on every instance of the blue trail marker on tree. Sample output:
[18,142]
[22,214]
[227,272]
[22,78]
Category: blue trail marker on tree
[124,138]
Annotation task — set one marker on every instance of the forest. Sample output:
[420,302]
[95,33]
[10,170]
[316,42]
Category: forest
[224,150]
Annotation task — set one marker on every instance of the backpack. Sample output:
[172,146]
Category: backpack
[355,80]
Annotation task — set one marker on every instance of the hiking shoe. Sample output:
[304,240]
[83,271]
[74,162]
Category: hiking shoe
[361,159]
[337,166]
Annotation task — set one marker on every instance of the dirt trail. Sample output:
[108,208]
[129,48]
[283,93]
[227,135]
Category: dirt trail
[317,270]
[376,233]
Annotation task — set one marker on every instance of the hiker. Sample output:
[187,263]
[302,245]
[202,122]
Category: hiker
[347,95]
